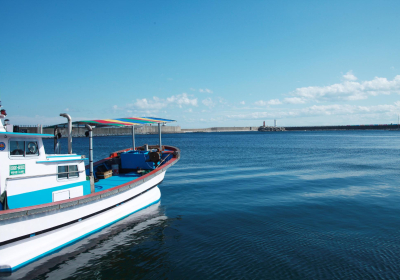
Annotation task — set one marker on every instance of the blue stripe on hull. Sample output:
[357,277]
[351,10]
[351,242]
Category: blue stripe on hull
[42,196]
[73,241]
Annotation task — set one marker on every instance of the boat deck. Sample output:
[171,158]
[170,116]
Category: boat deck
[115,180]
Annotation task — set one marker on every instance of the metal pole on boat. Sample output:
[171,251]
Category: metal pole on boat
[55,139]
[69,131]
[90,148]
[90,134]
[133,137]
[159,135]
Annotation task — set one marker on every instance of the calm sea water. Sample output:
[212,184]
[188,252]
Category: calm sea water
[291,205]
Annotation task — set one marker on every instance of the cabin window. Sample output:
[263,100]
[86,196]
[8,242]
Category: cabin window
[68,172]
[24,148]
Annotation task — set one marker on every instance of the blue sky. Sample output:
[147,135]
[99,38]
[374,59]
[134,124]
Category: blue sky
[203,63]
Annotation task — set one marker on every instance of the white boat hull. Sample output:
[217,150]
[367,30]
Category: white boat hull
[19,253]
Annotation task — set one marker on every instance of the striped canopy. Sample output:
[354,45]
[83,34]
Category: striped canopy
[118,122]
[124,121]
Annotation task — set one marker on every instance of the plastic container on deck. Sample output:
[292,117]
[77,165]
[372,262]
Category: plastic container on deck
[115,169]
[136,160]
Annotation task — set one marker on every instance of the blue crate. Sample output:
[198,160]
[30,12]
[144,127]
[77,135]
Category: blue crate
[136,160]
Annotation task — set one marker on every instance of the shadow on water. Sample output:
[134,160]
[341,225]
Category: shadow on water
[135,237]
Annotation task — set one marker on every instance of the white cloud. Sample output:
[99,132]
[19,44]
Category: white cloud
[242,102]
[258,115]
[269,102]
[155,104]
[347,90]
[206,90]
[208,102]
[351,109]
[294,100]
[182,99]
[274,102]
[260,103]
[211,120]
[158,103]
[117,108]
[325,110]
[222,100]
[349,76]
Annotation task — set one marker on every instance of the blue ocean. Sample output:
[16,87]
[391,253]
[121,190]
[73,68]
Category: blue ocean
[251,205]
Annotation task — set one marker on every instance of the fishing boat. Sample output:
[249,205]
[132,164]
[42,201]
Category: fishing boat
[49,201]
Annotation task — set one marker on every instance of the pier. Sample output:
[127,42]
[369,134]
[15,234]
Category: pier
[115,131]
[345,127]
[221,129]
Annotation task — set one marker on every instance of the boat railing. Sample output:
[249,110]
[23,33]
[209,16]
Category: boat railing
[43,175]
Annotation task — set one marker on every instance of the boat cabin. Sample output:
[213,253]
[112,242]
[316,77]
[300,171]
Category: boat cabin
[32,177]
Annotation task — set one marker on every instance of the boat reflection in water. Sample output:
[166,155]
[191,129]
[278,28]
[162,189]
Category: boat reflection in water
[108,247]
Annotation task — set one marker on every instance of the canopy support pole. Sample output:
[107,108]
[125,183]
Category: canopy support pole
[90,148]
[56,144]
[90,130]
[69,131]
[159,135]
[133,137]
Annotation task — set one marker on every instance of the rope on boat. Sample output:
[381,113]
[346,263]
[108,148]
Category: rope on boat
[163,160]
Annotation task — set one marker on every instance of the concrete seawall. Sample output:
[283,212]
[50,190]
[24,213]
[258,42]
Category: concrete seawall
[110,131]
[346,127]
[221,129]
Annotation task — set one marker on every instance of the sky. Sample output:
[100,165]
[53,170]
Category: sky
[202,63]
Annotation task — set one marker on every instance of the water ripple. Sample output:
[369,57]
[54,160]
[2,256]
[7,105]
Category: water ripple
[293,205]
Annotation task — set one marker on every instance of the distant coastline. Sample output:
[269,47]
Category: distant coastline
[345,127]
[177,129]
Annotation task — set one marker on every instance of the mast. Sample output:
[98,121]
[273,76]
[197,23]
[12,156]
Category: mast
[133,137]
[69,131]
[159,135]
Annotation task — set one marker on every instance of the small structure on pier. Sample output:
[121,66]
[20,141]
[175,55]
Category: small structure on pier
[265,128]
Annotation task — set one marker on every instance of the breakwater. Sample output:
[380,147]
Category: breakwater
[221,129]
[346,127]
[115,131]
